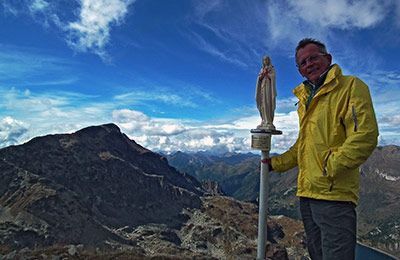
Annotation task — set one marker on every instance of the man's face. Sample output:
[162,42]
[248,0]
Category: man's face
[312,69]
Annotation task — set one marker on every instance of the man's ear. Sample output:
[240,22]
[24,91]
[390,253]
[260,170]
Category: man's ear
[329,57]
[301,73]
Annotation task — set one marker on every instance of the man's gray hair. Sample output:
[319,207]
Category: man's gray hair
[307,41]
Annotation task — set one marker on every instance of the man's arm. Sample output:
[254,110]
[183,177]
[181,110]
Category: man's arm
[285,161]
[361,130]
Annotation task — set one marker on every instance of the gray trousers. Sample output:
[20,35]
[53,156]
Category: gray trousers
[330,228]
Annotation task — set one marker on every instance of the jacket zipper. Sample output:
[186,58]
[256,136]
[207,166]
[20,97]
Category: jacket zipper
[324,170]
[325,164]
[353,112]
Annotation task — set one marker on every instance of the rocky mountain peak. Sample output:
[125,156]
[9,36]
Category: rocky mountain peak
[94,177]
[97,188]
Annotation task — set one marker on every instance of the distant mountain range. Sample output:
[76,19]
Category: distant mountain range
[378,210]
[99,191]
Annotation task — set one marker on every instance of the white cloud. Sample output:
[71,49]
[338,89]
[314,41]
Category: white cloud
[11,131]
[47,113]
[136,122]
[282,24]
[38,5]
[87,32]
[342,14]
[171,135]
[92,30]
[291,20]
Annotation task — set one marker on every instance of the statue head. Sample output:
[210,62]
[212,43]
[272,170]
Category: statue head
[266,61]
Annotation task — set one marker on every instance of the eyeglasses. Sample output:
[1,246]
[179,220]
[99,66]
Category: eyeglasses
[312,59]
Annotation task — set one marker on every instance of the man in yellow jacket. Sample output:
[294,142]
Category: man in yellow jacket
[338,131]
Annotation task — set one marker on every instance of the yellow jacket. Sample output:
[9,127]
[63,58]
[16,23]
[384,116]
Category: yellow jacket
[337,134]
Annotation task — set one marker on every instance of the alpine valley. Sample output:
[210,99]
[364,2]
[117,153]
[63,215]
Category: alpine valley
[378,209]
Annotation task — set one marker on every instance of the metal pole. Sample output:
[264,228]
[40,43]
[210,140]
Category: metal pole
[262,210]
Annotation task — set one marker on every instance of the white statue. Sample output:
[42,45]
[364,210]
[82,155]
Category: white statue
[266,94]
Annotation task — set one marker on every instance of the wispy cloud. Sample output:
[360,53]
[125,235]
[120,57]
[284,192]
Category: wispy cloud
[10,7]
[206,46]
[87,29]
[24,63]
[38,6]
[203,8]
[92,30]
[142,97]
[174,93]
[29,67]
[385,91]
[276,26]
[234,32]
[342,14]
[397,14]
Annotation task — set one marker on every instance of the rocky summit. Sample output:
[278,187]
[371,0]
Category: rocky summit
[96,191]
[378,207]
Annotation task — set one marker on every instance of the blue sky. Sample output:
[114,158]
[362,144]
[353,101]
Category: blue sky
[181,74]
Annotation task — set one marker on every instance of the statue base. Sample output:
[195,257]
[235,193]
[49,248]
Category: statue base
[266,131]
[261,138]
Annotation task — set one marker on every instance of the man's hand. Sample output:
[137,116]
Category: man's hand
[267,161]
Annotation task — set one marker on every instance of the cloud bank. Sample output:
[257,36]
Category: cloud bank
[63,112]
[169,135]
[11,131]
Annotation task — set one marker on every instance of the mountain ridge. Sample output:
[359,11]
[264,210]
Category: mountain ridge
[96,188]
